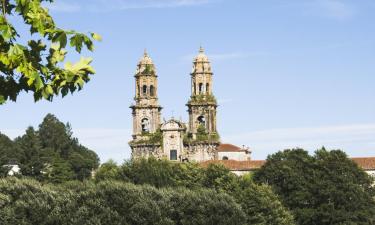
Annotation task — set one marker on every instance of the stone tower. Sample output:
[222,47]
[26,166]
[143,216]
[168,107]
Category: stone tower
[146,110]
[202,104]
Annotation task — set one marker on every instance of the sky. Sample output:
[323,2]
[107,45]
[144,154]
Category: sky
[287,73]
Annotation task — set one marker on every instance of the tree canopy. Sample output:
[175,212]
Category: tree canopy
[327,188]
[50,153]
[37,65]
[258,202]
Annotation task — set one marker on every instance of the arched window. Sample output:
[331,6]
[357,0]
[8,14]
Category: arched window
[202,121]
[152,90]
[194,89]
[225,158]
[200,88]
[208,88]
[144,90]
[145,125]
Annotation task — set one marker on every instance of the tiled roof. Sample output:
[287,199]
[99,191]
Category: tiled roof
[236,165]
[367,163]
[229,148]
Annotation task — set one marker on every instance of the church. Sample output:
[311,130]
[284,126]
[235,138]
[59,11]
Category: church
[197,140]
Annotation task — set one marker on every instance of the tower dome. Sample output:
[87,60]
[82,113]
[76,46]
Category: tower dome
[201,57]
[146,65]
[201,64]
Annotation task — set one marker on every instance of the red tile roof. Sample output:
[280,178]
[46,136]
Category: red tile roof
[367,163]
[229,148]
[236,165]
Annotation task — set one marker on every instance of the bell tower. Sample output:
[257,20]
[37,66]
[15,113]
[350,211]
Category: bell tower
[146,110]
[202,104]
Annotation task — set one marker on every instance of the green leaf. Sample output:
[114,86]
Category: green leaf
[16,50]
[77,41]
[2,100]
[61,38]
[96,37]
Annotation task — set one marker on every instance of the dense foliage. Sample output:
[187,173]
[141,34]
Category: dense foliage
[50,153]
[28,202]
[37,65]
[327,188]
[259,204]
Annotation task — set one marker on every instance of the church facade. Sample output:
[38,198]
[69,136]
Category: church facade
[198,139]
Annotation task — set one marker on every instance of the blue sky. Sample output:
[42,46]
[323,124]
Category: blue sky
[296,73]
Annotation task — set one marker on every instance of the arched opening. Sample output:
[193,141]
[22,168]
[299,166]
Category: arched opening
[225,158]
[144,90]
[194,89]
[145,124]
[201,121]
[208,88]
[200,88]
[152,90]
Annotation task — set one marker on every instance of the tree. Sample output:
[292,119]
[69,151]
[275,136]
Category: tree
[258,202]
[36,66]
[327,188]
[31,161]
[9,153]
[50,153]
[28,202]
[107,171]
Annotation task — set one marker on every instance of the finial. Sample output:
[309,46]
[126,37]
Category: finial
[201,50]
[145,52]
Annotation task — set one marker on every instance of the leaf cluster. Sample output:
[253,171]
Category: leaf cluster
[37,65]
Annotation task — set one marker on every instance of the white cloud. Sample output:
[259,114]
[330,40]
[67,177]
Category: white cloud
[356,140]
[116,5]
[107,143]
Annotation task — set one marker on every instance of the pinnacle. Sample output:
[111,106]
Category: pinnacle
[201,50]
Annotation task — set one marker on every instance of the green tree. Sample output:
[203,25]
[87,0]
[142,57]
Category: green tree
[327,188]
[31,161]
[9,153]
[107,171]
[258,202]
[58,143]
[45,153]
[36,66]
[27,202]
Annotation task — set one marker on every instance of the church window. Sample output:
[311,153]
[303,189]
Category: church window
[173,155]
[225,158]
[145,125]
[152,90]
[194,89]
[200,88]
[208,88]
[144,90]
